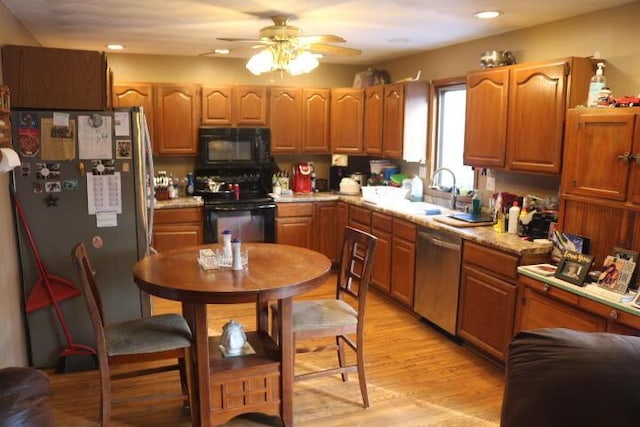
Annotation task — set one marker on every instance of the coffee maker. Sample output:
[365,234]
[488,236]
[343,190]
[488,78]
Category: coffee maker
[303,176]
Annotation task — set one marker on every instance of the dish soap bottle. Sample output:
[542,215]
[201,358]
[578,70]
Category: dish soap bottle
[514,218]
[498,226]
[597,83]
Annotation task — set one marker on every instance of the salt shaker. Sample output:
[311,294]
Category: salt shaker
[226,239]
[236,263]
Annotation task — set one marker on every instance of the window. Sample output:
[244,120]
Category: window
[450,99]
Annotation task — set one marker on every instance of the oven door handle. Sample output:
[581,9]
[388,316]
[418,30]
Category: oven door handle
[240,207]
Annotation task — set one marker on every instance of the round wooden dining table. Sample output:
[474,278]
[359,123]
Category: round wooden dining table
[258,382]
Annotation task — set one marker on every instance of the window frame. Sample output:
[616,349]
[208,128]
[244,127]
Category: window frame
[434,120]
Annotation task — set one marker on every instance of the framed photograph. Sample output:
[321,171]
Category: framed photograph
[573,267]
[628,256]
[568,242]
[541,269]
[616,274]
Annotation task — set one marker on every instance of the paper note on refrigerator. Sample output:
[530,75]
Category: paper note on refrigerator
[104,193]
[95,139]
[106,219]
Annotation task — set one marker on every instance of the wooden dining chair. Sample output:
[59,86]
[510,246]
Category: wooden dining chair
[153,338]
[341,317]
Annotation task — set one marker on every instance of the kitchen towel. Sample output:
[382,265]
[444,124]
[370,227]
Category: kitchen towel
[8,159]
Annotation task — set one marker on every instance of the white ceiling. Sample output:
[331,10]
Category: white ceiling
[190,27]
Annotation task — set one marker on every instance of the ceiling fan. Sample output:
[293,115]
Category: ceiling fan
[281,33]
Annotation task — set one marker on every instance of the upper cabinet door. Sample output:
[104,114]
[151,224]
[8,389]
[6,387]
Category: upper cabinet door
[596,154]
[393,121]
[634,175]
[137,95]
[373,116]
[178,117]
[250,107]
[347,113]
[537,107]
[315,120]
[217,106]
[286,119]
[486,118]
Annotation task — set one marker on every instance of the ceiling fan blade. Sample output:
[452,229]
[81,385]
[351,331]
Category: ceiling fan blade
[335,50]
[321,38]
[232,39]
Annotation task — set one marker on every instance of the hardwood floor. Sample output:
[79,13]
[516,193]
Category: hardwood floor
[416,377]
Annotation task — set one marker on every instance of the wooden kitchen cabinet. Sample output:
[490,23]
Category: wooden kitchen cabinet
[360,218]
[5,118]
[176,228]
[546,306]
[532,109]
[172,110]
[602,154]
[485,143]
[299,120]
[234,106]
[325,230]
[347,114]
[405,120]
[137,95]
[294,224]
[382,227]
[487,298]
[50,78]
[373,116]
[403,261]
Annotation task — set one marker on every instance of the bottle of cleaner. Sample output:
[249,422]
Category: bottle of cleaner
[597,83]
[514,217]
[416,189]
[499,216]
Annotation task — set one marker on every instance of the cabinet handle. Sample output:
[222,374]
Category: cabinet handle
[626,156]
[546,287]
[636,157]
[613,315]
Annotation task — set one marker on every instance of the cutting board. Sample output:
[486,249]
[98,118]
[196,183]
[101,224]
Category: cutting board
[457,223]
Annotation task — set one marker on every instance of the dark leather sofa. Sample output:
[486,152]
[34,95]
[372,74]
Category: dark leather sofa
[23,398]
[564,378]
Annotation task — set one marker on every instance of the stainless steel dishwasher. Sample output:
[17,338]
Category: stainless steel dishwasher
[437,277]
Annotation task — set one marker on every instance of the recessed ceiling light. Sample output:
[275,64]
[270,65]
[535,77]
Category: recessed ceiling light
[487,14]
[399,40]
[221,51]
[115,46]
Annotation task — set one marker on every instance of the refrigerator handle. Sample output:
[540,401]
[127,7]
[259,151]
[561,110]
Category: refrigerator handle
[150,199]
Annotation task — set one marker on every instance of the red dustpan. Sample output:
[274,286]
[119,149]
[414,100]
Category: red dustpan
[49,290]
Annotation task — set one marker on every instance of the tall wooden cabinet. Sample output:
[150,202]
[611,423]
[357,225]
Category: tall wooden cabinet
[234,106]
[404,124]
[518,124]
[601,178]
[373,117]
[172,110]
[347,113]
[316,107]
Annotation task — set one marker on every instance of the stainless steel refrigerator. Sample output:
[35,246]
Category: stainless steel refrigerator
[83,178]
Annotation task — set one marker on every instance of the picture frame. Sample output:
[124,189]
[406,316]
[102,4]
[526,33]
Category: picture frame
[573,267]
[542,269]
[628,255]
[568,242]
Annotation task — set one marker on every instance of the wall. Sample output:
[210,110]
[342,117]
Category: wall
[613,32]
[12,334]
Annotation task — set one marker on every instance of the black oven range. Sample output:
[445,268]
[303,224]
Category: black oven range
[237,199]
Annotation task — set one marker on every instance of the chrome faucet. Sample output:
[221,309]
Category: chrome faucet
[453,189]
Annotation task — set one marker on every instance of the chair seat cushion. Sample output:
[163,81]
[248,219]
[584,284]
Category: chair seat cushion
[320,314]
[148,335]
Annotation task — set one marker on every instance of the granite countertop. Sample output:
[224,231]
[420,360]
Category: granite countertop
[402,209]
[485,235]
[181,202]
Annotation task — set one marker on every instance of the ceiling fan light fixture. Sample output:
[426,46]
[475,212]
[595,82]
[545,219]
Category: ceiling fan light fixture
[487,14]
[282,57]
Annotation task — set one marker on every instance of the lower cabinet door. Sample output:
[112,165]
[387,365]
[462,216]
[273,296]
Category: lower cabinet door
[539,311]
[486,312]
[176,236]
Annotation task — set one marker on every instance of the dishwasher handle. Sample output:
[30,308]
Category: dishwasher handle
[438,242]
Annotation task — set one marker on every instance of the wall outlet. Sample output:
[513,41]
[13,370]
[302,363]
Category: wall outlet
[422,171]
[491,183]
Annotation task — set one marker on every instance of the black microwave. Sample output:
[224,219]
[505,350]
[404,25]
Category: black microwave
[233,146]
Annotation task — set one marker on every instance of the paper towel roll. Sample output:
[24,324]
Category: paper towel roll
[8,159]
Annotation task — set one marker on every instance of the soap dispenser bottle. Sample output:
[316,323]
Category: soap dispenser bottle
[598,82]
